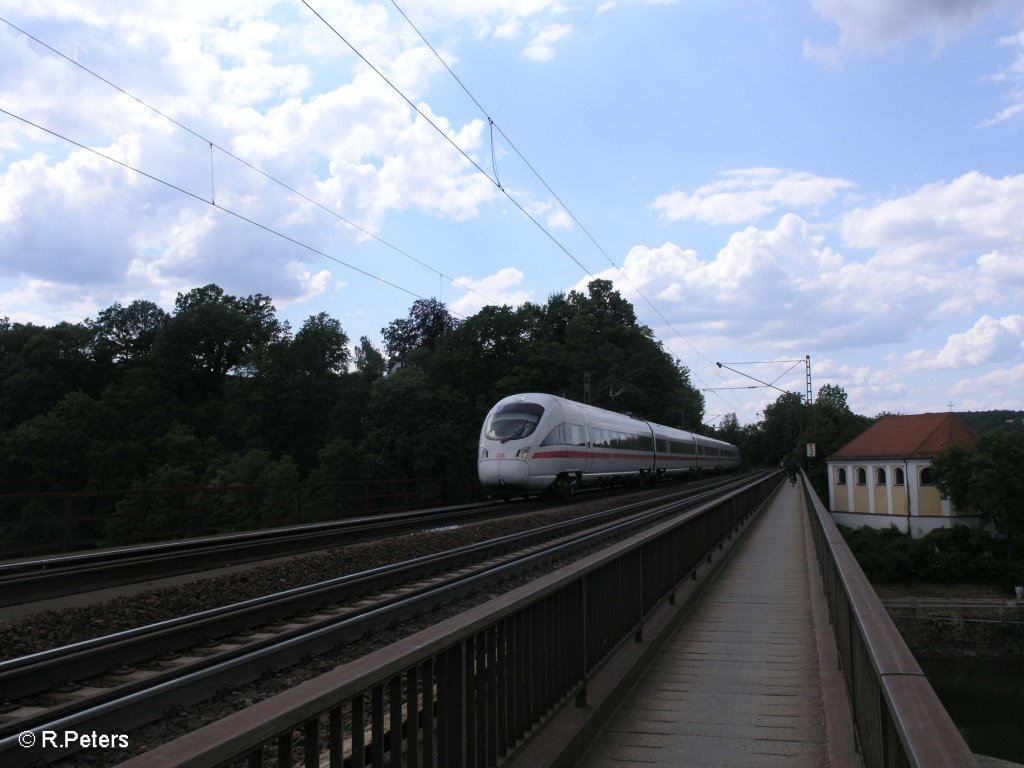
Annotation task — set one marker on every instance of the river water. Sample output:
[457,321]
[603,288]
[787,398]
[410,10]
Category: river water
[985,698]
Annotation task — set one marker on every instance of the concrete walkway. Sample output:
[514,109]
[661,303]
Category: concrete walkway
[739,683]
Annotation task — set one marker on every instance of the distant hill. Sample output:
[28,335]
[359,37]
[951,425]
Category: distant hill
[987,421]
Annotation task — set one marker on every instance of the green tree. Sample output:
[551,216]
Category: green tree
[785,423]
[729,429]
[212,335]
[249,490]
[416,429]
[50,451]
[831,425]
[320,348]
[126,334]
[369,362]
[428,321]
[286,408]
[39,366]
[989,479]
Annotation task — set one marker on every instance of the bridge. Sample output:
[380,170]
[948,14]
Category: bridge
[742,633]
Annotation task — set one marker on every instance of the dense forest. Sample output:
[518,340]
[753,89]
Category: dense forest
[220,394]
[219,416]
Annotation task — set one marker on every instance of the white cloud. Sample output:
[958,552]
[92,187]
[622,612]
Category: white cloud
[786,283]
[545,36]
[1002,268]
[612,4]
[1000,389]
[46,302]
[943,222]
[1013,76]
[873,25]
[551,211]
[501,19]
[747,195]
[862,384]
[497,289]
[509,30]
[762,285]
[989,340]
[310,284]
[229,73]
[46,209]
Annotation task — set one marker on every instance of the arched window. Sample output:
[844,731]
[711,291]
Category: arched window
[840,476]
[926,476]
[862,476]
[880,476]
[897,476]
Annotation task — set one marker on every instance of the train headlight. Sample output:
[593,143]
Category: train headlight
[523,453]
[483,453]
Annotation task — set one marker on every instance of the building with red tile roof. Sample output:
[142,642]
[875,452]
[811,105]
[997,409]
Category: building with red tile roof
[883,477]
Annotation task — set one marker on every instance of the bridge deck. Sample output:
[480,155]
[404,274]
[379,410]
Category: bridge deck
[740,682]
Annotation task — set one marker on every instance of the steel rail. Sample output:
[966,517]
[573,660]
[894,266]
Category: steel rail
[135,703]
[473,689]
[34,673]
[23,581]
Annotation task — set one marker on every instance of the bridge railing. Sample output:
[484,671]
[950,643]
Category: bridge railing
[898,719]
[465,692]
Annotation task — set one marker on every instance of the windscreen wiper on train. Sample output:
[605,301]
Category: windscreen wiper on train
[518,433]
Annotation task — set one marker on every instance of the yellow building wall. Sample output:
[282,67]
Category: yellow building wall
[929,501]
[881,494]
[841,494]
[899,500]
[860,495]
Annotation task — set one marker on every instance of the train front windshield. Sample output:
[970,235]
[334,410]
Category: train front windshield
[514,421]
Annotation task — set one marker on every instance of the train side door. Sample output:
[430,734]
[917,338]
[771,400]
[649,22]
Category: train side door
[580,417]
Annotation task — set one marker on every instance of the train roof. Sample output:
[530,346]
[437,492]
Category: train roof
[543,397]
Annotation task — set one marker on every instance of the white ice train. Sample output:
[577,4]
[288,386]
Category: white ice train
[533,442]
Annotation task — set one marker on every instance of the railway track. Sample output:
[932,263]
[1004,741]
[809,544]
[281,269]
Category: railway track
[89,686]
[24,581]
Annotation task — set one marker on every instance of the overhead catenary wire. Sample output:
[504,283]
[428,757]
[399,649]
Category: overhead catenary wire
[214,146]
[494,126]
[217,206]
[448,138]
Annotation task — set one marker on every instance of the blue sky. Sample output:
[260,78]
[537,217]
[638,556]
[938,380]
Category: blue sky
[764,181]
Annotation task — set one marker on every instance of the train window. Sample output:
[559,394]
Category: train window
[578,434]
[566,434]
[557,436]
[514,421]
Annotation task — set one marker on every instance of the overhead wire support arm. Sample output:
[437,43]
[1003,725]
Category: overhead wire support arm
[806,360]
[748,376]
